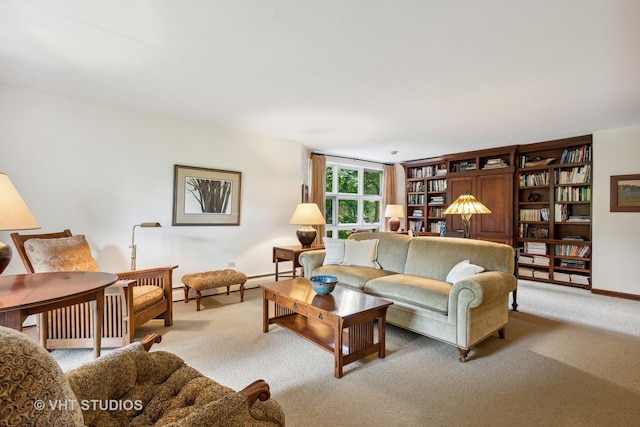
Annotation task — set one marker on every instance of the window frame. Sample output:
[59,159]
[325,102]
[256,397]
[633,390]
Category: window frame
[333,229]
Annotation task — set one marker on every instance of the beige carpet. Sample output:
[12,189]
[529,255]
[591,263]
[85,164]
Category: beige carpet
[546,373]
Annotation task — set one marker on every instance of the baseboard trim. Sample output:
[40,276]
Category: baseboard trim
[616,294]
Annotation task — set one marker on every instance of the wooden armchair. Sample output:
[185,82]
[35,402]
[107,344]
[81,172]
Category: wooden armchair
[138,297]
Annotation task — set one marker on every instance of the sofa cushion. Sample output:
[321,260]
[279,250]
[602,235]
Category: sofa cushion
[392,249]
[415,290]
[362,253]
[461,270]
[62,254]
[353,277]
[334,251]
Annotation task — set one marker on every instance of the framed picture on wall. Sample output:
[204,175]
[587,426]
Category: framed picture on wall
[625,193]
[204,196]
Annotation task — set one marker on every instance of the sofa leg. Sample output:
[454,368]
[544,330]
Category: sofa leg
[463,354]
[501,332]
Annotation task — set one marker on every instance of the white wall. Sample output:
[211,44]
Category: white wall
[616,235]
[99,170]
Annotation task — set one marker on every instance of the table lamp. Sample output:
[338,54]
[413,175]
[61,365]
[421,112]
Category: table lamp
[306,215]
[14,215]
[394,212]
[133,240]
[467,205]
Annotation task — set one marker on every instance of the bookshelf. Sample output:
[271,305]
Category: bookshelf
[432,184]
[553,211]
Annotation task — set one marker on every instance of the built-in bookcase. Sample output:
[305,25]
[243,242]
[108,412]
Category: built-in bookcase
[553,211]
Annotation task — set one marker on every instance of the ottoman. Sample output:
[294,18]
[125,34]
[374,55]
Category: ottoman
[210,280]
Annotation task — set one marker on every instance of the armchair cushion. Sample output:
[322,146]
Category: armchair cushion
[28,376]
[61,254]
[145,296]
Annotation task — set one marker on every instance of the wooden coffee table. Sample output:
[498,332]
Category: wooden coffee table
[341,323]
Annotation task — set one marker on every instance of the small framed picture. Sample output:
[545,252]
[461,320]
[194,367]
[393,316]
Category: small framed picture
[625,193]
[204,196]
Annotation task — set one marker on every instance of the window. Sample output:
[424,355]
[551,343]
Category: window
[353,199]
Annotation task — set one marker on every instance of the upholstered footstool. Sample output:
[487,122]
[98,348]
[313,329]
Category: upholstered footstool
[210,280]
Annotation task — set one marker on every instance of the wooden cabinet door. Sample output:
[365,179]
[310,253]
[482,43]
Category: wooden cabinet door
[455,188]
[495,191]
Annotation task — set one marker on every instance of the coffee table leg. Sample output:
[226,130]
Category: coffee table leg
[338,342]
[381,333]
[265,310]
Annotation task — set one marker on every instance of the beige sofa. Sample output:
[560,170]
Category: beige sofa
[413,272]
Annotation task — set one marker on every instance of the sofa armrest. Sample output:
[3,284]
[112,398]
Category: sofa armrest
[484,287]
[310,260]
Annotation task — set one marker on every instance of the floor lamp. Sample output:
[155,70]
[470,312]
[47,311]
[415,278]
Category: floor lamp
[14,215]
[466,205]
[133,240]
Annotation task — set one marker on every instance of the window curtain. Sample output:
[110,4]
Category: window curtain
[389,195]
[317,190]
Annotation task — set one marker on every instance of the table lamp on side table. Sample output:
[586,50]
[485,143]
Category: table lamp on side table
[14,215]
[306,215]
[394,213]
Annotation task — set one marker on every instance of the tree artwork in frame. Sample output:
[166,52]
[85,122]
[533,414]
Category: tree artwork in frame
[204,196]
[625,193]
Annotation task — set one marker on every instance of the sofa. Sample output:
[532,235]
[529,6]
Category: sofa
[452,289]
[128,386]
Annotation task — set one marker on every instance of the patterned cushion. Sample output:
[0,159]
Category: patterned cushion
[335,251]
[62,254]
[28,376]
[214,279]
[145,296]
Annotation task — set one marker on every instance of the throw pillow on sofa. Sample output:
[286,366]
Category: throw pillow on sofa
[462,270]
[361,253]
[334,251]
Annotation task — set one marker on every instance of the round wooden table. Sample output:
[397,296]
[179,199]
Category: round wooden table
[25,294]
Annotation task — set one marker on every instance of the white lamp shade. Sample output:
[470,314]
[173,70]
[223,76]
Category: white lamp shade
[14,213]
[307,214]
[396,211]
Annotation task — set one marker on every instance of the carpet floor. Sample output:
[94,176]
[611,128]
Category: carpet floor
[580,370]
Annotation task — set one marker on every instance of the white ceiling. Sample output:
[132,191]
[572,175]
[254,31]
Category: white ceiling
[356,78]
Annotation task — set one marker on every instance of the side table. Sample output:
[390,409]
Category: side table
[290,253]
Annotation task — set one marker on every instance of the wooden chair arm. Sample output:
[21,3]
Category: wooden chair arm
[149,340]
[144,273]
[257,390]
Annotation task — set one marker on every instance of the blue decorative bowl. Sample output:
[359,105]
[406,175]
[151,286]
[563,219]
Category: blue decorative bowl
[323,285]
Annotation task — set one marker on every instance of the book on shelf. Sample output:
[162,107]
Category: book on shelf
[417,212]
[577,238]
[579,218]
[525,272]
[573,263]
[535,248]
[437,200]
[576,155]
[541,274]
[580,279]
[537,214]
[495,164]
[563,277]
[579,251]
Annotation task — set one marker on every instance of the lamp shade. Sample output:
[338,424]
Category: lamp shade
[14,213]
[307,214]
[467,204]
[394,211]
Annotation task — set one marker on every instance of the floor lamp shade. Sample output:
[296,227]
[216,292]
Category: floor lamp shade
[394,213]
[14,215]
[306,215]
[466,205]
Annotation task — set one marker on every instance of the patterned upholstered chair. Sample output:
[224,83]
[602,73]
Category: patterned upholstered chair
[140,296]
[128,386]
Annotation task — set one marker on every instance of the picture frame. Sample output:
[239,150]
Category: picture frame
[203,196]
[625,193]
